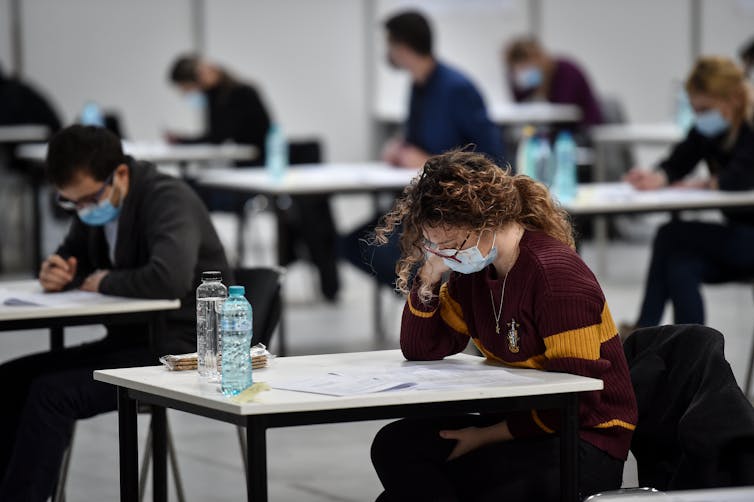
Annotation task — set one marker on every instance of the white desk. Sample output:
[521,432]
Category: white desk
[161,153]
[503,113]
[277,408]
[743,494]
[310,179]
[23,132]
[108,309]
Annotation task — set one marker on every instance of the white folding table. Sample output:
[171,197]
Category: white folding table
[185,391]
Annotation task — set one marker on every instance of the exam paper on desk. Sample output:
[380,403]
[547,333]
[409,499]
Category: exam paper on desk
[41,299]
[428,376]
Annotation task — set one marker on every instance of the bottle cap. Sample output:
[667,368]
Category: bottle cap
[237,290]
[212,275]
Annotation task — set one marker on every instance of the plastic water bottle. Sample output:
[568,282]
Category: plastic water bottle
[91,115]
[276,151]
[543,162]
[565,184]
[236,323]
[524,163]
[210,296]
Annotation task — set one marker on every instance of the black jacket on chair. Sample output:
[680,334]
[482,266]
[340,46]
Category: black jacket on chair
[165,240]
[696,427]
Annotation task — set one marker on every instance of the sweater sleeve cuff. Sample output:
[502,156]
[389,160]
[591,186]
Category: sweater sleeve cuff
[526,424]
[415,303]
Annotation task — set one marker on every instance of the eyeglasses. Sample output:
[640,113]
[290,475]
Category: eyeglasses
[449,254]
[86,201]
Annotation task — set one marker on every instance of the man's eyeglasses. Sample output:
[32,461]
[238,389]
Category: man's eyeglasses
[87,200]
[449,254]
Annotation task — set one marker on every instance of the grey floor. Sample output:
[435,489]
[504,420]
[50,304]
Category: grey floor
[329,463]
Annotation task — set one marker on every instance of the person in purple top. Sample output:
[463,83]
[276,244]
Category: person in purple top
[536,75]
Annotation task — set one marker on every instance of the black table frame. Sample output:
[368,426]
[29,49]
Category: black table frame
[257,425]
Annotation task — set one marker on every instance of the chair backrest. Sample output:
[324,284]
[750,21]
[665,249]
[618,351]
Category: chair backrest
[695,424]
[263,291]
[618,158]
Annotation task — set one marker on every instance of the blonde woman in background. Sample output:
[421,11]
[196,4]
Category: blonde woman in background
[688,253]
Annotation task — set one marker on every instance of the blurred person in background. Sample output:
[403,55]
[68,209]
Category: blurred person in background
[536,75]
[446,111]
[686,254]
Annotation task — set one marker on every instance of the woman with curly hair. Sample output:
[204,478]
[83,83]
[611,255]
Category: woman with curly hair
[489,257]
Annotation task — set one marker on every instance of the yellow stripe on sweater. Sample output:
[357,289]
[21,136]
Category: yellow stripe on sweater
[615,423]
[417,312]
[582,343]
[535,362]
[540,423]
[451,313]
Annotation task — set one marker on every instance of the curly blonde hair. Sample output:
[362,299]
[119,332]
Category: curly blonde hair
[466,190]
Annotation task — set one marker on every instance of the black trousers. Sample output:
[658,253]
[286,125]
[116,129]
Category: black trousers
[410,458]
[44,394]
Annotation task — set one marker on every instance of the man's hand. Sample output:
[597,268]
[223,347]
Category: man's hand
[92,282]
[646,180]
[411,156]
[57,273]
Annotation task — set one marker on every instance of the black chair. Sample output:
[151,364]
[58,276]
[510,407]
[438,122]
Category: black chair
[264,292]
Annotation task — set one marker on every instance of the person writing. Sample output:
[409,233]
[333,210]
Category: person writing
[517,289]
[137,233]
[686,254]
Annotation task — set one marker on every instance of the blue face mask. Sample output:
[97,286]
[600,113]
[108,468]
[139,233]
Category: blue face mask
[470,260]
[196,100]
[99,214]
[711,123]
[528,78]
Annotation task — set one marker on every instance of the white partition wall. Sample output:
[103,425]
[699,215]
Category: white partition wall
[308,59]
[5,36]
[113,52]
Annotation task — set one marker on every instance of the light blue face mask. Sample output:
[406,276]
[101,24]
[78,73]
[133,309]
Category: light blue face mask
[196,100]
[470,260]
[528,78]
[99,214]
[711,123]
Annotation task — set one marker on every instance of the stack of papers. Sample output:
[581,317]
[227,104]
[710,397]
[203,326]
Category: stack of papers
[416,376]
[41,299]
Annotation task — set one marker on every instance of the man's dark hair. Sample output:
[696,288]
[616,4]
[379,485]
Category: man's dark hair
[183,70]
[747,52]
[83,149]
[412,29]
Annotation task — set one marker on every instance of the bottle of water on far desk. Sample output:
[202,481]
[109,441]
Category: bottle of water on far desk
[544,164]
[210,296]
[236,324]
[565,184]
[276,152]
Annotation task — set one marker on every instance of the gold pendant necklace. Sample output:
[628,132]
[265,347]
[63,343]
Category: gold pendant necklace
[498,313]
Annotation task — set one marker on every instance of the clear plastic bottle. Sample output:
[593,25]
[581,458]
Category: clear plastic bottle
[524,153]
[544,165]
[565,184]
[276,152]
[210,296]
[236,323]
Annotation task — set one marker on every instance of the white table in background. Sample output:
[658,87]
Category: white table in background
[22,133]
[743,494]
[613,199]
[277,408]
[502,113]
[107,309]
[317,179]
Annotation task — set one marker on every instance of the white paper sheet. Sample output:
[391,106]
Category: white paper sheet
[429,376]
[41,299]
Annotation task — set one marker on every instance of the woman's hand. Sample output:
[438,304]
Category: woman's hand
[432,270]
[642,179]
[471,438]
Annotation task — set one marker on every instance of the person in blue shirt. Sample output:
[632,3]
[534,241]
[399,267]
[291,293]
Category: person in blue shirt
[446,111]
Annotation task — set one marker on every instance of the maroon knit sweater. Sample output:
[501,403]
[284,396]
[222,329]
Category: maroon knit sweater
[564,325]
